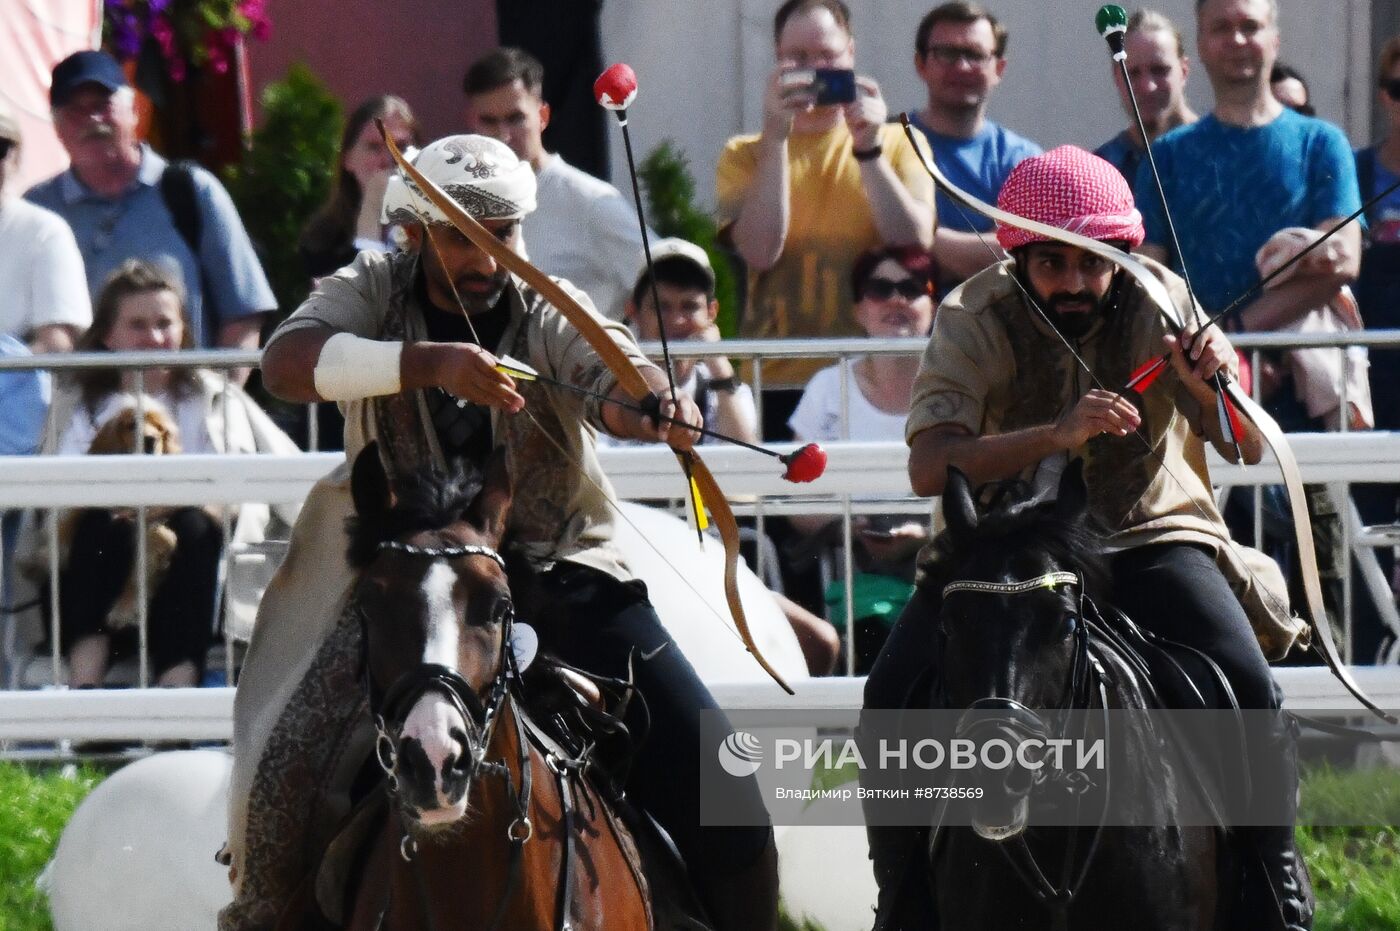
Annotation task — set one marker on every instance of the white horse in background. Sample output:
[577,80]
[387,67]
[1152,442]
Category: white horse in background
[139,851]
[138,855]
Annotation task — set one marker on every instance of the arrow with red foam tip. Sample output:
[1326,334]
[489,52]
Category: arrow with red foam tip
[616,88]
[804,464]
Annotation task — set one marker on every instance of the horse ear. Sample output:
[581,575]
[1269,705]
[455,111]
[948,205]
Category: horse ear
[1072,499]
[369,484]
[958,507]
[492,505]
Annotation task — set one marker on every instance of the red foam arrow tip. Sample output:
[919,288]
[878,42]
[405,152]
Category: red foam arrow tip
[805,464]
[616,88]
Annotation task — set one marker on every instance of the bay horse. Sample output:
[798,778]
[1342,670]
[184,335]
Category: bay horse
[483,821]
[1023,641]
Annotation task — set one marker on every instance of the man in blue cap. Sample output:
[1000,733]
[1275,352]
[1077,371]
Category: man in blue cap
[124,201]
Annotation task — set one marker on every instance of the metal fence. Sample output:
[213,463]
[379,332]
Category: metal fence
[858,471]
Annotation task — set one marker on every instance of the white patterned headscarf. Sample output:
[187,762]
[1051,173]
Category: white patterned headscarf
[480,173]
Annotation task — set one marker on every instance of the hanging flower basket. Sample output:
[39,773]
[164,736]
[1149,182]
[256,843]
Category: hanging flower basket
[184,34]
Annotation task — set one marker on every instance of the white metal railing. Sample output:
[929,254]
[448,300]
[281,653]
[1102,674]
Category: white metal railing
[207,714]
[856,471]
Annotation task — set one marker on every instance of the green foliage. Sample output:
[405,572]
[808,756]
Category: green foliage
[35,804]
[787,923]
[1356,877]
[1349,797]
[286,175]
[1355,870]
[670,193]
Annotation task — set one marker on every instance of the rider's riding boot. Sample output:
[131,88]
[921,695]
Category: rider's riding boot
[1273,843]
[1287,875]
[746,900]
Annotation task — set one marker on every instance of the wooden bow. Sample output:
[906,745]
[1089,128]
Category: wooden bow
[617,361]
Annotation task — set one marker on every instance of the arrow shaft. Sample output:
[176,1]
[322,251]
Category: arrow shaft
[655,415]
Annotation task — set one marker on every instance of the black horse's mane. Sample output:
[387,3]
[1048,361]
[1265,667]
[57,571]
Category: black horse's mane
[426,499]
[1018,520]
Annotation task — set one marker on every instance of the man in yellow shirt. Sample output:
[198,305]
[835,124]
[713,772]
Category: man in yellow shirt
[816,188]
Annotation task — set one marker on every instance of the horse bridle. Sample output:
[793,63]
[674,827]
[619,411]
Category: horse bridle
[1086,675]
[390,711]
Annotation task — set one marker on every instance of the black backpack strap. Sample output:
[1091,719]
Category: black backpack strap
[182,200]
[177,189]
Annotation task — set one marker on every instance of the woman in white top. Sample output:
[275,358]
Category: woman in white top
[142,308]
[893,289]
[893,299]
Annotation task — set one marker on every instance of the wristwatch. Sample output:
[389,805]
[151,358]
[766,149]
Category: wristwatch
[868,155]
[727,385]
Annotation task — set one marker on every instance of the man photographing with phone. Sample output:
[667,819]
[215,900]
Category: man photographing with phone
[825,180]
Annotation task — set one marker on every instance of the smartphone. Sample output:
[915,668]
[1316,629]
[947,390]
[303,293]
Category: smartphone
[829,85]
[834,85]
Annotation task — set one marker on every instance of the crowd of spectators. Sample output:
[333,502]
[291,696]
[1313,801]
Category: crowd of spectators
[826,211]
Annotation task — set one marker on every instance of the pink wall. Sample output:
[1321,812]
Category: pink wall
[418,49]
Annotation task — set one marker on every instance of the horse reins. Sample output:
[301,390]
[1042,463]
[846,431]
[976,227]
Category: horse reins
[1086,677]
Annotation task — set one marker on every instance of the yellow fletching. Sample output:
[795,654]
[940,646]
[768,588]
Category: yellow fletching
[516,369]
[697,503]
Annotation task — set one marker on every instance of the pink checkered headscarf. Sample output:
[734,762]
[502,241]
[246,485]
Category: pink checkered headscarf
[1073,190]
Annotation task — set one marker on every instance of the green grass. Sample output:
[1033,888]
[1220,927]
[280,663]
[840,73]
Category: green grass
[1355,870]
[35,804]
[1356,876]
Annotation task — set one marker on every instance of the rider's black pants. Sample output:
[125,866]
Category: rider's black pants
[591,620]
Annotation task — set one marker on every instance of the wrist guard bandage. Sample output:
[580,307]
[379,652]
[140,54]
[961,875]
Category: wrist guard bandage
[351,367]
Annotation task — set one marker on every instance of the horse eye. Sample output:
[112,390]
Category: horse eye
[1069,625]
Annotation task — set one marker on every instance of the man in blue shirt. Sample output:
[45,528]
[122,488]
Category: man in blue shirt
[118,196]
[1245,171]
[960,53]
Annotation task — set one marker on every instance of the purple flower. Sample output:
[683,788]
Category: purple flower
[157,6]
[126,35]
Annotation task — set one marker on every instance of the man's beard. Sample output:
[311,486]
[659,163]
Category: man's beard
[490,291]
[1076,323]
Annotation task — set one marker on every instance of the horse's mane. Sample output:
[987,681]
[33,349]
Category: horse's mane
[426,499]
[1018,520]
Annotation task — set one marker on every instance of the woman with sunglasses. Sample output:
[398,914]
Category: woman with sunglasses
[893,290]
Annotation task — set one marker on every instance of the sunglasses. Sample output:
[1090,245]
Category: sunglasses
[882,289]
[1392,89]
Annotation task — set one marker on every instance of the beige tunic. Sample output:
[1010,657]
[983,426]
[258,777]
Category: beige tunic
[560,510]
[995,366]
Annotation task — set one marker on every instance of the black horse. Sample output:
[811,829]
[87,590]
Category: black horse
[1023,640]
